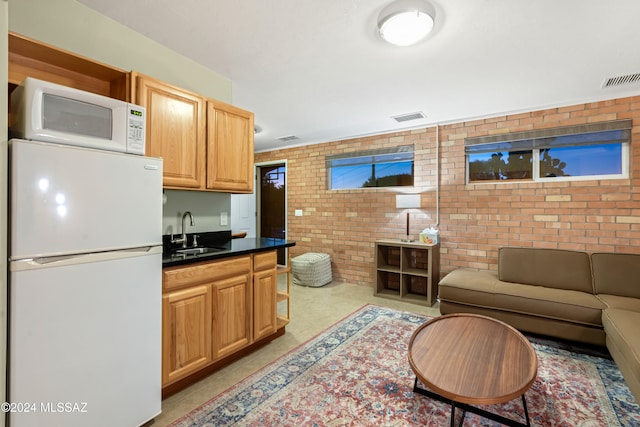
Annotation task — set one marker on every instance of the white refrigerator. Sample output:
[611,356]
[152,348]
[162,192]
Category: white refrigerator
[84,287]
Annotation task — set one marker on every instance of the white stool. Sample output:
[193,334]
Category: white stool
[311,269]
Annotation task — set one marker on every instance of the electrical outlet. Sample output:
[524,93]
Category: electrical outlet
[224,218]
[298,212]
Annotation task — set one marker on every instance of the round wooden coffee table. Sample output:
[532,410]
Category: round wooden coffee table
[467,359]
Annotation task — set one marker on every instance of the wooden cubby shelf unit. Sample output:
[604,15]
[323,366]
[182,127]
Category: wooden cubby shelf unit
[407,271]
[283,294]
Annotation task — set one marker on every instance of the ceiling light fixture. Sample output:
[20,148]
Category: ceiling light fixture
[406,22]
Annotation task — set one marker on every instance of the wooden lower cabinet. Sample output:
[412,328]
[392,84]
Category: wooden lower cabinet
[212,310]
[231,320]
[186,330]
[265,285]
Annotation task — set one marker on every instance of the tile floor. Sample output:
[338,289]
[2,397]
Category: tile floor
[312,311]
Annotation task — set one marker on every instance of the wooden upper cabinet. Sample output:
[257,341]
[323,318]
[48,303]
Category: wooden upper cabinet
[176,130]
[204,144]
[229,148]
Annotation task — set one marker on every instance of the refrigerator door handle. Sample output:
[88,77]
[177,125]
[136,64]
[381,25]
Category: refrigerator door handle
[64,260]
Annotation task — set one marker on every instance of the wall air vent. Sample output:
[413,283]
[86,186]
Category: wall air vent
[287,138]
[621,80]
[408,117]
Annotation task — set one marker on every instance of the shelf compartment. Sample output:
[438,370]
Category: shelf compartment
[282,312]
[389,258]
[414,285]
[32,58]
[415,259]
[282,322]
[283,292]
[388,283]
[282,286]
[282,269]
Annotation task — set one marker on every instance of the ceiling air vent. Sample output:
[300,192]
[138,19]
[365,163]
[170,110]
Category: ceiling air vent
[408,117]
[621,80]
[287,138]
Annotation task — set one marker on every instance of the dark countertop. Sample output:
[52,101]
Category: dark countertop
[225,247]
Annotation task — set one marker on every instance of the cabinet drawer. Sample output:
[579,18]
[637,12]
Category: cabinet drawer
[264,260]
[176,277]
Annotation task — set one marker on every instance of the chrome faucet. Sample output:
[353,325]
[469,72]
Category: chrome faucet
[183,239]
[184,234]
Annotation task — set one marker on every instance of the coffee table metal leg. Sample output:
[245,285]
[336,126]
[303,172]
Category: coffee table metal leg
[526,413]
[475,410]
[453,414]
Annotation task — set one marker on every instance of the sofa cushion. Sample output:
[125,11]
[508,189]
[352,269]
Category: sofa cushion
[616,274]
[552,268]
[484,289]
[621,327]
[624,303]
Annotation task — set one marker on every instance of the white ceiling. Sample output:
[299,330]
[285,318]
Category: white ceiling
[317,69]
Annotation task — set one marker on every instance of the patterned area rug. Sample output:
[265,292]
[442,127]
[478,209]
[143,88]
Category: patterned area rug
[356,373]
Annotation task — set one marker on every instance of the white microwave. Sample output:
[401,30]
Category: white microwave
[49,112]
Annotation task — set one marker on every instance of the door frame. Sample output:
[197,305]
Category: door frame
[4,208]
[258,196]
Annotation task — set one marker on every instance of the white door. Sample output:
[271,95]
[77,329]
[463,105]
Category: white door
[243,214]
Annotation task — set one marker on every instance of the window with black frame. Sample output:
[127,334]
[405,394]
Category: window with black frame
[591,151]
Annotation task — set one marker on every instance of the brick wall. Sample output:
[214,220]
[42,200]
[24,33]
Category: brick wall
[474,219]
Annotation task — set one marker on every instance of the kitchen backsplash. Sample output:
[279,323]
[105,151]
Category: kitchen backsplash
[209,210]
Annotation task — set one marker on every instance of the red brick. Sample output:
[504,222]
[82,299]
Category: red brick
[495,215]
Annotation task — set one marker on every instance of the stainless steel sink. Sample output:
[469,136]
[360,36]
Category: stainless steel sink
[197,251]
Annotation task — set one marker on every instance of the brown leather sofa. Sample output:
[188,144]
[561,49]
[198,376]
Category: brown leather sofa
[591,298]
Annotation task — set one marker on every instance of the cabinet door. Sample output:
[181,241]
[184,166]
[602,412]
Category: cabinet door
[264,303]
[176,130]
[229,148]
[186,332]
[231,315]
